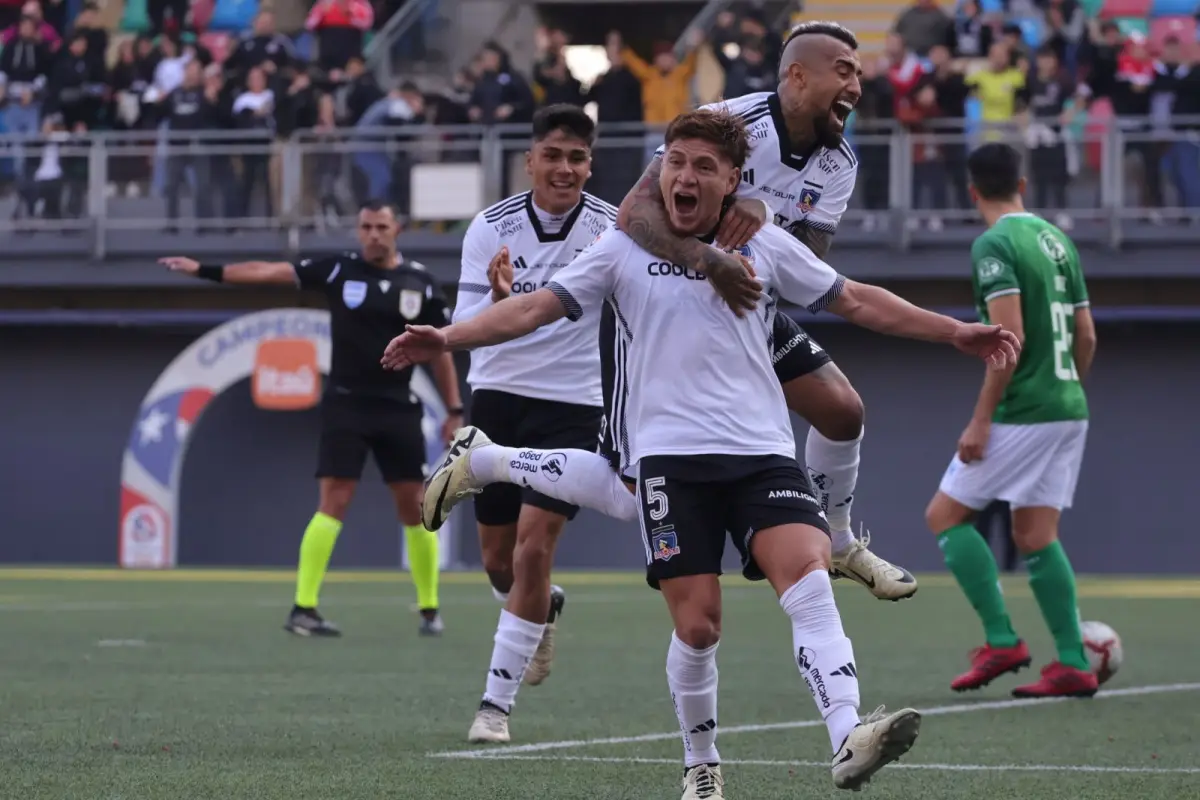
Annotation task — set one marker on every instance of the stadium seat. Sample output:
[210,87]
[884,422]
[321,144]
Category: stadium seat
[1112,9]
[135,19]
[1092,7]
[233,15]
[202,11]
[1173,8]
[992,6]
[218,44]
[1133,26]
[1099,115]
[1031,30]
[1182,28]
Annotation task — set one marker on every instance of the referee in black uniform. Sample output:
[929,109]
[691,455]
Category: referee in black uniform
[372,295]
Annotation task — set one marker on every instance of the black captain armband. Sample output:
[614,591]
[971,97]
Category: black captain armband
[211,272]
[454,412]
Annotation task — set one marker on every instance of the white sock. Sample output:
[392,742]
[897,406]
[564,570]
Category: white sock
[516,642]
[833,472]
[692,677]
[823,653]
[578,477]
[501,597]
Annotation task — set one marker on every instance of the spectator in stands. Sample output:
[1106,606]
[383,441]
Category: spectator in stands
[1131,105]
[500,94]
[77,87]
[923,25]
[327,166]
[917,112]
[167,16]
[1018,49]
[749,72]
[297,106]
[974,31]
[45,31]
[667,83]
[1066,26]
[997,87]
[43,183]
[1176,95]
[373,170]
[339,26]
[189,109]
[254,110]
[554,81]
[88,23]
[357,92]
[260,46]
[904,69]
[753,26]
[1102,48]
[724,34]
[618,98]
[1046,97]
[24,68]
[875,109]
[951,92]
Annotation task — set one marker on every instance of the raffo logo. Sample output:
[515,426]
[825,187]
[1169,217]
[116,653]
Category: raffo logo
[286,376]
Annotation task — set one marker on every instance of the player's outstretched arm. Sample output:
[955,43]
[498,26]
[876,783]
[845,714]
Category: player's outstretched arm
[879,310]
[643,218]
[246,272]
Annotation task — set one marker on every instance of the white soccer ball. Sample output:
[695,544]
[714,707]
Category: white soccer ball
[1103,648]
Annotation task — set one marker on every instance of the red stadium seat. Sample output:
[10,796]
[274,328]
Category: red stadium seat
[1099,114]
[202,11]
[1125,8]
[218,44]
[1182,28]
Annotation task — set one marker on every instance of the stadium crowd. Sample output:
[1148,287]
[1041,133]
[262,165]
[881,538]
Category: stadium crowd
[1050,71]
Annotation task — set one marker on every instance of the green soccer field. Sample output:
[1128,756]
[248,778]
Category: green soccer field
[183,685]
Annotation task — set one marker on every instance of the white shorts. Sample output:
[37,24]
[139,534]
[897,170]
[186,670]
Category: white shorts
[1026,466]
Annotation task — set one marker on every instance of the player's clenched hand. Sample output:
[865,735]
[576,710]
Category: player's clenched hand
[741,221]
[418,344]
[733,279]
[500,275]
[180,264]
[974,441]
[995,345]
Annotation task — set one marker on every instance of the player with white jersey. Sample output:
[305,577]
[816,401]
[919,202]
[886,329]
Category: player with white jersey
[711,438]
[801,174]
[543,390]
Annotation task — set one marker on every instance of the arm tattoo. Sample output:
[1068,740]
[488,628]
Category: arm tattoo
[816,240]
[644,219]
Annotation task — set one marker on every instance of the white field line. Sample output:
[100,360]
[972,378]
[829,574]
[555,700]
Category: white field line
[753,762]
[958,708]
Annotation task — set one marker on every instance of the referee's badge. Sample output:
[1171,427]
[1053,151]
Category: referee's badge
[410,303]
[353,293]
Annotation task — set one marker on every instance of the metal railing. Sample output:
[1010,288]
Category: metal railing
[87,195]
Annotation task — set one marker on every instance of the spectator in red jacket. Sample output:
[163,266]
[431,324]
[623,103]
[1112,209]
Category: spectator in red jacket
[339,25]
[45,31]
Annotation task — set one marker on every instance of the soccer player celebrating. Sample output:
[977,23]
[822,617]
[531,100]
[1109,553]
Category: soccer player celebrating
[543,391]
[372,295]
[801,171]
[711,438]
[1024,443]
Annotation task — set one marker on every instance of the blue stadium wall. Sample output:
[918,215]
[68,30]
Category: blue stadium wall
[69,395]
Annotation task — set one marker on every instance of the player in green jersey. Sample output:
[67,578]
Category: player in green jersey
[1025,441]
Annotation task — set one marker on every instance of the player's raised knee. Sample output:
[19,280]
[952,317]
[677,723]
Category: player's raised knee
[700,630]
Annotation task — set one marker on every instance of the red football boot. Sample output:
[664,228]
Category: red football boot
[1059,680]
[989,663]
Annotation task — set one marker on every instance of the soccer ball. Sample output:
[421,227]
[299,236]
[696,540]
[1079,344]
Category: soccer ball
[1103,648]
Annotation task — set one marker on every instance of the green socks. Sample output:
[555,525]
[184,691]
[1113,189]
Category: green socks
[315,550]
[968,556]
[1053,583]
[424,557]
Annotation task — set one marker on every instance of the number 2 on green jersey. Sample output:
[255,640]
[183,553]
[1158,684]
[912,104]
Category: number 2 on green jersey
[1064,353]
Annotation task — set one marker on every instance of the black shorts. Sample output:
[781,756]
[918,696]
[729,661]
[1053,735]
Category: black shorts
[515,421]
[793,352]
[689,502]
[614,348]
[352,426]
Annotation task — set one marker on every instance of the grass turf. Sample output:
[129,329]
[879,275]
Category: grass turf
[183,685]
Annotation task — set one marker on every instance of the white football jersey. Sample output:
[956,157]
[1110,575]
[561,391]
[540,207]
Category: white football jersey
[700,379]
[559,362]
[813,188]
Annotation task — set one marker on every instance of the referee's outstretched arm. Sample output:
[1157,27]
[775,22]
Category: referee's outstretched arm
[246,272]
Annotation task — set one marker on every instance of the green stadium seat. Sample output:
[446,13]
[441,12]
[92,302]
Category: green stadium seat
[135,19]
[1133,25]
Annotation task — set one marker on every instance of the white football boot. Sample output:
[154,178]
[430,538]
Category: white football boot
[882,578]
[490,726]
[451,481]
[878,741]
[703,782]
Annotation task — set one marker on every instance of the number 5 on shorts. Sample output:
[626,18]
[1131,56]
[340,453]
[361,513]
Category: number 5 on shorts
[656,499]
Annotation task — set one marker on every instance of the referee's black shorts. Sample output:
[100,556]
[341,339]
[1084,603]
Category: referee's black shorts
[353,426]
[513,420]
[795,353]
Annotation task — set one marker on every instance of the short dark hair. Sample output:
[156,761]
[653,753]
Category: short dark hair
[378,205]
[818,28]
[1047,50]
[995,171]
[726,131]
[571,120]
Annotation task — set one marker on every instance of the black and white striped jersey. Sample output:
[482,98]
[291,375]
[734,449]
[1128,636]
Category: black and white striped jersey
[560,362]
[810,188]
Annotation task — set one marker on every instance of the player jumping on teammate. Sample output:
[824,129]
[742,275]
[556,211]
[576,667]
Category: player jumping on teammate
[1025,441]
[801,171]
[712,441]
[372,294]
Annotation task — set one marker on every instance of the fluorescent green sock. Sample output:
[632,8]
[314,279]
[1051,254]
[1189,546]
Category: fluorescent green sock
[1053,583]
[315,549]
[968,556]
[423,563]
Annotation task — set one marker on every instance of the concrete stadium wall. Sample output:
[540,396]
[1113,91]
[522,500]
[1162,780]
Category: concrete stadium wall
[68,398]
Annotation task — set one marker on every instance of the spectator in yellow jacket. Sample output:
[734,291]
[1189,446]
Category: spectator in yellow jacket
[667,82]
